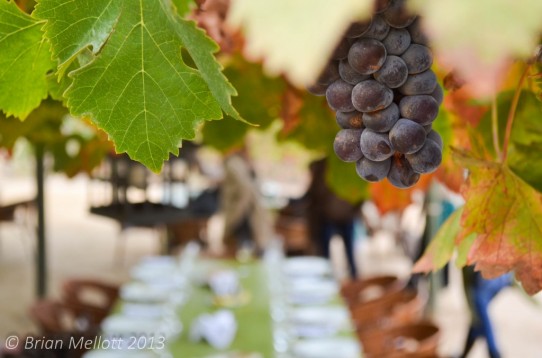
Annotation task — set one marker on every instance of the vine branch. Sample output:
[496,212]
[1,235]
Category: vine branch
[495,126]
[512,113]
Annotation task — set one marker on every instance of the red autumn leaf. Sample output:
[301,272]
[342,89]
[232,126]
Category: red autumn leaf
[505,213]
[292,102]
[460,103]
[450,175]
[389,198]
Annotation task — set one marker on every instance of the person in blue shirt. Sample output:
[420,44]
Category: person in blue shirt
[479,293]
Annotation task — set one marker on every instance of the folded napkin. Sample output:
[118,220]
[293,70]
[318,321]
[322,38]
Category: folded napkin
[217,329]
[224,283]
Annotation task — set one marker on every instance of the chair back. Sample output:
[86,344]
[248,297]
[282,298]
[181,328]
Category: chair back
[415,340]
[392,309]
[90,299]
[51,317]
[358,291]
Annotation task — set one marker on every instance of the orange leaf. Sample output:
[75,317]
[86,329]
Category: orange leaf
[505,213]
[460,103]
[389,198]
[450,175]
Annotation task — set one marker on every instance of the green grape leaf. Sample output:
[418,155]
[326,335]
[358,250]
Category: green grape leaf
[260,96]
[183,6]
[42,126]
[201,49]
[224,135]
[316,131]
[442,246]
[137,88]
[537,76]
[344,181]
[24,62]
[295,37]
[259,102]
[46,126]
[463,249]
[76,154]
[525,151]
[526,162]
[317,127]
[58,85]
[443,126]
[505,213]
[76,25]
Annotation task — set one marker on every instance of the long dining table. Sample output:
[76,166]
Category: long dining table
[256,327]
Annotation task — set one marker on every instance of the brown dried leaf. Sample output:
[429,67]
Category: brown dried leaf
[211,16]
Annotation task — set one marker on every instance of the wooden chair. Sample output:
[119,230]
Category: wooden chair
[184,231]
[56,321]
[356,292]
[392,309]
[295,232]
[51,316]
[89,299]
[21,215]
[413,340]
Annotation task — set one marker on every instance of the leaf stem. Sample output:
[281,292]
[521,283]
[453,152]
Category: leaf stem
[495,126]
[512,113]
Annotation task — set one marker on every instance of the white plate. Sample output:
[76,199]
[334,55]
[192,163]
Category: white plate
[129,327]
[326,315]
[159,261]
[307,266]
[318,322]
[119,353]
[132,325]
[158,274]
[146,310]
[327,348]
[312,292]
[140,292]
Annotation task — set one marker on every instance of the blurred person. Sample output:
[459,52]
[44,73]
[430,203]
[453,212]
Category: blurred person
[479,293]
[246,220]
[330,215]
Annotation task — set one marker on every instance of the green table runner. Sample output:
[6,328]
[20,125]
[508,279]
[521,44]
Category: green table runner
[254,323]
[254,332]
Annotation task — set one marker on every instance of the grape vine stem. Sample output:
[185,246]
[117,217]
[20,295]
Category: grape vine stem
[512,113]
[495,126]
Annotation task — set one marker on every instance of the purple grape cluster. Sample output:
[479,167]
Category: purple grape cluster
[380,83]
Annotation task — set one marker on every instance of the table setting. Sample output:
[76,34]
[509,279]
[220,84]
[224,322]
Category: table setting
[310,319]
[193,307]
